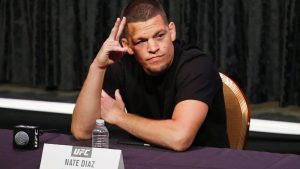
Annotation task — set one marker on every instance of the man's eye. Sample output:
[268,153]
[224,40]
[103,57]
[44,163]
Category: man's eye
[139,42]
[160,36]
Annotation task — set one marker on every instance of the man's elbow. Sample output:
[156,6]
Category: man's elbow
[80,135]
[181,143]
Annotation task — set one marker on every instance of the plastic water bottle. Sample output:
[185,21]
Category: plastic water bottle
[100,136]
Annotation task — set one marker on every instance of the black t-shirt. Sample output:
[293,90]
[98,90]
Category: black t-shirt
[192,75]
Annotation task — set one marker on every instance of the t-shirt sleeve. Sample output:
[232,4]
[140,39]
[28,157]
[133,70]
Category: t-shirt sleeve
[198,79]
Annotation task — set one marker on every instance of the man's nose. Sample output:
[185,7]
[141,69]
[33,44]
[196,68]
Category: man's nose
[152,46]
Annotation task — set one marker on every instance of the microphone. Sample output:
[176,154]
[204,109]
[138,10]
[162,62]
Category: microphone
[26,137]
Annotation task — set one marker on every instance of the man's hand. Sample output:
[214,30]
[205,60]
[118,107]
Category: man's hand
[112,109]
[111,50]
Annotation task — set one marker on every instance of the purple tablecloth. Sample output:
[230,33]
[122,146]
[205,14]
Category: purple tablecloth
[139,157]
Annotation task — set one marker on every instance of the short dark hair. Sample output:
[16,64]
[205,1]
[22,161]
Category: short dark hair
[142,10]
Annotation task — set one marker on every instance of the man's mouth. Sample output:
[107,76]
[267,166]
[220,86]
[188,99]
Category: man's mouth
[155,58]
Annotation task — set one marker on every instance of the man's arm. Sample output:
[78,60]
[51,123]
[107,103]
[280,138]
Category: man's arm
[87,108]
[176,133]
[88,104]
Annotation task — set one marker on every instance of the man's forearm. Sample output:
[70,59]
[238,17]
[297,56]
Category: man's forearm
[177,133]
[88,104]
[167,133]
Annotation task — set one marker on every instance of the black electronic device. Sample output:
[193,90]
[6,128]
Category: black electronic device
[26,137]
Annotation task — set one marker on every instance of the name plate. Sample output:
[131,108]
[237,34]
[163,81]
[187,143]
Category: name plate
[74,157]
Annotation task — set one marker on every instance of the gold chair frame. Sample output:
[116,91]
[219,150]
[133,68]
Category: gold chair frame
[237,111]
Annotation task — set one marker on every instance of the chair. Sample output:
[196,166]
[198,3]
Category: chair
[237,111]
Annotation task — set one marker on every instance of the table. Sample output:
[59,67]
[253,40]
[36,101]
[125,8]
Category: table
[141,157]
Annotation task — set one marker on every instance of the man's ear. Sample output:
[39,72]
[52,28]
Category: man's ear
[172,29]
[125,43]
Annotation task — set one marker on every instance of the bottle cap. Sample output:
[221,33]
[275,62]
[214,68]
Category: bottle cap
[99,121]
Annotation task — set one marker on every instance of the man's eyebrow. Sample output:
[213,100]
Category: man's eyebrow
[155,34]
[160,31]
[138,38]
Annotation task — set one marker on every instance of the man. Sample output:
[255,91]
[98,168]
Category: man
[172,92]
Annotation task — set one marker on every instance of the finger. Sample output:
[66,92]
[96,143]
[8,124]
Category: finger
[104,94]
[121,28]
[110,62]
[118,96]
[118,49]
[115,29]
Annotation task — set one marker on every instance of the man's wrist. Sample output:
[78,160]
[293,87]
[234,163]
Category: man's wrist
[96,67]
[120,118]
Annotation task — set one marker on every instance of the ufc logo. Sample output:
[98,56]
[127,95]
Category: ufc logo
[36,133]
[81,152]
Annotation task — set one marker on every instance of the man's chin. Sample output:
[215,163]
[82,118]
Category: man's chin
[156,71]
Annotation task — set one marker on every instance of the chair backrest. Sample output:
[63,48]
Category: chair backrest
[238,113]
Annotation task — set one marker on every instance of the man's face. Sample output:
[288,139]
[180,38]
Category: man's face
[151,43]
